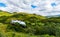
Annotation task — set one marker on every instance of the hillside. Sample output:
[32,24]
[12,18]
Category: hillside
[36,25]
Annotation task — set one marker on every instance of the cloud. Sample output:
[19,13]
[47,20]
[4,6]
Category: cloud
[43,7]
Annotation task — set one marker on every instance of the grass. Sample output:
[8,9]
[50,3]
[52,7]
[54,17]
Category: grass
[30,19]
[5,14]
[3,32]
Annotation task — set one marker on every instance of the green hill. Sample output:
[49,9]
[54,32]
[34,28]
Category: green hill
[36,25]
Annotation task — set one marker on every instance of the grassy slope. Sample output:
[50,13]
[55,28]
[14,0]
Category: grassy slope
[4,33]
[3,26]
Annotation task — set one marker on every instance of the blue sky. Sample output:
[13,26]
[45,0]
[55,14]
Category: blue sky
[53,4]
[2,5]
[33,6]
[41,7]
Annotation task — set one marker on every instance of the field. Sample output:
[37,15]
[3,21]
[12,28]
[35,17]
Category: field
[36,25]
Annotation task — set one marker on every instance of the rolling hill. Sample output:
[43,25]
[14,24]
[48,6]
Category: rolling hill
[36,25]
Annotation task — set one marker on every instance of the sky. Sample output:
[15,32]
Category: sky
[2,5]
[40,7]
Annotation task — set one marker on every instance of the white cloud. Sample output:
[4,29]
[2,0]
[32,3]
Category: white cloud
[43,6]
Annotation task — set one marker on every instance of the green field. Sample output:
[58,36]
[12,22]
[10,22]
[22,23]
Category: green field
[37,25]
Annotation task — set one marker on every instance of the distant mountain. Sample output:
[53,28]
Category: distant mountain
[53,16]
